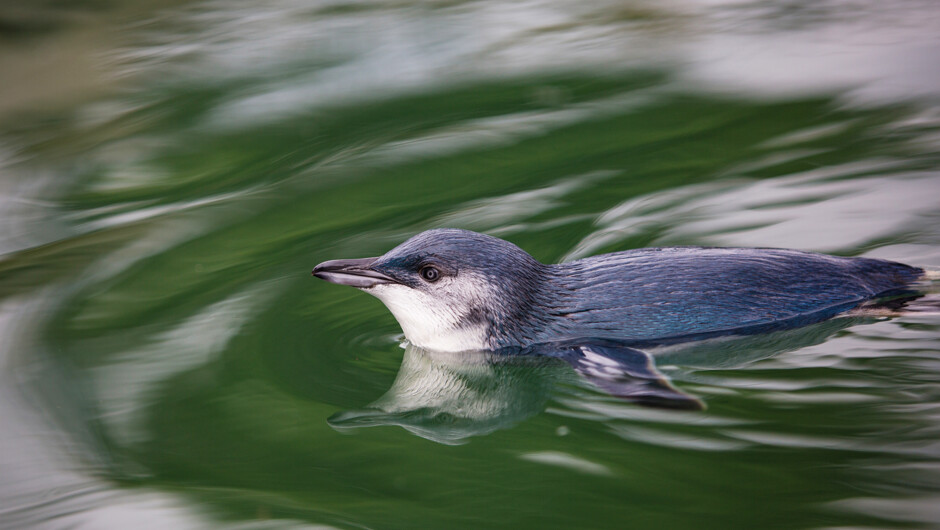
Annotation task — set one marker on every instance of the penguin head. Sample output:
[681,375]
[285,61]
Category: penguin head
[449,289]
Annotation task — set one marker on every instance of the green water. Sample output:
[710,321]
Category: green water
[170,172]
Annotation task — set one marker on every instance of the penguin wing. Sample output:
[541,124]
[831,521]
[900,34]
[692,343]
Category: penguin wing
[621,371]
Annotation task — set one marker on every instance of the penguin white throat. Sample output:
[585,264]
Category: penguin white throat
[450,318]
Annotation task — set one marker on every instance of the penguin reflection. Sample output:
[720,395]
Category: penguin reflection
[448,397]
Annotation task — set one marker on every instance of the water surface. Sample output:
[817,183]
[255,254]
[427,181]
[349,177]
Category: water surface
[172,170]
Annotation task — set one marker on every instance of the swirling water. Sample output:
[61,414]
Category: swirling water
[172,170]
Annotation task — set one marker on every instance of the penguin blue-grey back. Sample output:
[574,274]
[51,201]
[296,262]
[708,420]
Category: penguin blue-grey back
[667,294]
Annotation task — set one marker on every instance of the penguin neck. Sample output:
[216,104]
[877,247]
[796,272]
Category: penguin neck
[535,312]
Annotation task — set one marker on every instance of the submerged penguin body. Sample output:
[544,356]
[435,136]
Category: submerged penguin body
[455,290]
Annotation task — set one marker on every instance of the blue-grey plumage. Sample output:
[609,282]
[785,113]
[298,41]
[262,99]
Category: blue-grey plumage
[459,290]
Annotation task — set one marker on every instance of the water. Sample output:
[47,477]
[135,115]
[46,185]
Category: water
[172,170]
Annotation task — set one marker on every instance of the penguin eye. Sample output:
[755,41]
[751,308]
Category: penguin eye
[430,273]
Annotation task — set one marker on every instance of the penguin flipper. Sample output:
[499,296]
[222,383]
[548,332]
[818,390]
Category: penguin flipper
[624,372]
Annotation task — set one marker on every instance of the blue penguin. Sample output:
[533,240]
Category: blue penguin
[454,290]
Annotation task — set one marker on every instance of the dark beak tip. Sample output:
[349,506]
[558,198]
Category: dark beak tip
[322,270]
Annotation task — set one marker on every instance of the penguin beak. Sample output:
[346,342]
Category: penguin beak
[353,272]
